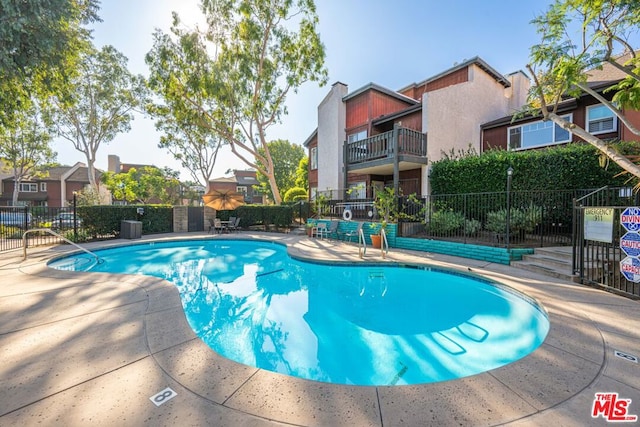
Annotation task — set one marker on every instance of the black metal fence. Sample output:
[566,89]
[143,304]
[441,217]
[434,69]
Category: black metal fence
[84,223]
[508,219]
[519,218]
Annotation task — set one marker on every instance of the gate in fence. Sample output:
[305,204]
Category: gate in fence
[606,244]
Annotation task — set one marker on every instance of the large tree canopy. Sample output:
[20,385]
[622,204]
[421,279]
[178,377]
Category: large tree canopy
[39,41]
[179,103]
[246,63]
[578,37]
[104,95]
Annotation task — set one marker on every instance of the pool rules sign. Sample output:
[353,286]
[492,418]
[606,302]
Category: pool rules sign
[630,244]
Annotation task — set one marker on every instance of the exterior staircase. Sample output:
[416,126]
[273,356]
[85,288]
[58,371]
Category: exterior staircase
[552,262]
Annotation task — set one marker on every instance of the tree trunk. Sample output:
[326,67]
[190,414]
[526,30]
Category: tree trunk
[274,187]
[16,191]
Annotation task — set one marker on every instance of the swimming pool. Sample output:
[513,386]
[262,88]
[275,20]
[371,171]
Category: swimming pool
[347,324]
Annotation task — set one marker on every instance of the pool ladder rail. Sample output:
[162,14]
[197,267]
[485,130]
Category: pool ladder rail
[50,231]
[362,244]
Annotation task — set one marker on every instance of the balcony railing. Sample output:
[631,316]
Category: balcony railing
[408,141]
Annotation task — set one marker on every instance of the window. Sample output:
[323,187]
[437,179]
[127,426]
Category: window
[537,134]
[28,187]
[314,158]
[601,119]
[357,190]
[43,187]
[241,189]
[358,136]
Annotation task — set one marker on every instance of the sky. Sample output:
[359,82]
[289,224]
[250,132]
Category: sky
[391,43]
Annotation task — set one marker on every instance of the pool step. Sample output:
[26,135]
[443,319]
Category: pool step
[552,262]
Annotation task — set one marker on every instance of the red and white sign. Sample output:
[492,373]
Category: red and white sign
[612,408]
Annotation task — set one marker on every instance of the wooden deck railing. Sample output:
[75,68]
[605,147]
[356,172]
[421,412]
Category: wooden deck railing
[408,141]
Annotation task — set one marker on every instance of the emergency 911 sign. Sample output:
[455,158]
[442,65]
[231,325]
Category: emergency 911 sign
[630,244]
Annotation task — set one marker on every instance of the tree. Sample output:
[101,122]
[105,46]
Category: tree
[302,173]
[103,98]
[578,36]
[24,148]
[246,64]
[39,42]
[144,185]
[195,146]
[286,158]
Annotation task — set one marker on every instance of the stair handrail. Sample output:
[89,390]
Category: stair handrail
[50,231]
[362,243]
[590,194]
[383,243]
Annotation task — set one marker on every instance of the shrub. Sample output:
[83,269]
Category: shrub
[520,220]
[574,166]
[472,227]
[445,222]
[294,194]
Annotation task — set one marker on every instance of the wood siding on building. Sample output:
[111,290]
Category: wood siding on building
[626,134]
[370,105]
[457,77]
[312,175]
[454,78]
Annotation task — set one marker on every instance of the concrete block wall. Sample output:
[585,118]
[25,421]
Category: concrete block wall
[180,219]
[486,253]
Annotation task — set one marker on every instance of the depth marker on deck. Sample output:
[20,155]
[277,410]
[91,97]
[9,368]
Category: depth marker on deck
[626,356]
[164,395]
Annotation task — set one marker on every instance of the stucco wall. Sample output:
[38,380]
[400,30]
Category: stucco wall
[453,115]
[331,136]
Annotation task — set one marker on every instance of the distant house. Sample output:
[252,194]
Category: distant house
[116,166]
[376,137]
[55,189]
[525,133]
[242,181]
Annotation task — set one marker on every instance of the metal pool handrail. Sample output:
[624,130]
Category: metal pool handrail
[383,243]
[50,231]
[362,243]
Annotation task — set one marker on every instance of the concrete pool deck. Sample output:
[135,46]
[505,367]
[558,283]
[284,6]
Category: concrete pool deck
[92,348]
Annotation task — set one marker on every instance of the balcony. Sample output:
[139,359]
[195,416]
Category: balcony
[377,154]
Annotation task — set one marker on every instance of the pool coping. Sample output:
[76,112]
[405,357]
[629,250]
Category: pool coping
[557,381]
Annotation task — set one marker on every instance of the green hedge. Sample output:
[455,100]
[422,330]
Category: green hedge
[279,216]
[574,166]
[105,220]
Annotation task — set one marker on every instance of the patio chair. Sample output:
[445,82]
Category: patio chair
[234,225]
[218,226]
[350,234]
[211,226]
[332,232]
[320,230]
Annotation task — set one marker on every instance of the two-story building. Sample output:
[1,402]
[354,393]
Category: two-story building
[375,137]
[528,132]
[54,188]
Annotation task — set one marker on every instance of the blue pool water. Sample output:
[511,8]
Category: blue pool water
[347,324]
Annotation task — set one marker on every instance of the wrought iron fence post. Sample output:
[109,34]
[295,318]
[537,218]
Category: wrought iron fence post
[75,218]
[509,174]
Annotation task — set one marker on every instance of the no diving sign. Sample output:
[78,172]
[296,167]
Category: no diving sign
[630,218]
